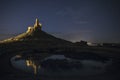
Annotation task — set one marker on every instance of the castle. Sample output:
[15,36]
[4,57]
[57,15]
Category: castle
[37,26]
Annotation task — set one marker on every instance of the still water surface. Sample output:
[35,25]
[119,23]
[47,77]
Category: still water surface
[59,65]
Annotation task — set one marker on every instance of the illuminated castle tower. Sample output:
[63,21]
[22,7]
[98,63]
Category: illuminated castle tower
[37,25]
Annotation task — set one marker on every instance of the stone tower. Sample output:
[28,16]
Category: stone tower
[37,25]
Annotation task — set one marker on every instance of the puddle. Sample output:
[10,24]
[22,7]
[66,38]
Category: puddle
[59,65]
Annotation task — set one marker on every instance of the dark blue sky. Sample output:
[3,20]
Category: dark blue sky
[74,20]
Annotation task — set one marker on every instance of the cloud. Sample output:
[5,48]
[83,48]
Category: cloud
[80,22]
[76,16]
[61,13]
[66,11]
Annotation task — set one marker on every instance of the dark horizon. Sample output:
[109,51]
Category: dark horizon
[89,20]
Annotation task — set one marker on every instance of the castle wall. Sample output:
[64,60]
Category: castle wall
[29,29]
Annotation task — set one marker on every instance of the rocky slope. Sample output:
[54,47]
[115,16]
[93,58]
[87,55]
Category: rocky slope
[34,35]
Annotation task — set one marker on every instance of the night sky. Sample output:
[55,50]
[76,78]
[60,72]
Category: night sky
[74,20]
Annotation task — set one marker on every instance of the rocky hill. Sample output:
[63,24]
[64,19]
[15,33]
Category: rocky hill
[34,36]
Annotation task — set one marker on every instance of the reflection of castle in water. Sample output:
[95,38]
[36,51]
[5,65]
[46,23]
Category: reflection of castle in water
[58,65]
[34,65]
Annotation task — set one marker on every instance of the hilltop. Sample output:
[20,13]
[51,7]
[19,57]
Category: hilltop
[36,36]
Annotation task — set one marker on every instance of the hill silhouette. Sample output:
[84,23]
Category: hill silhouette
[34,35]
